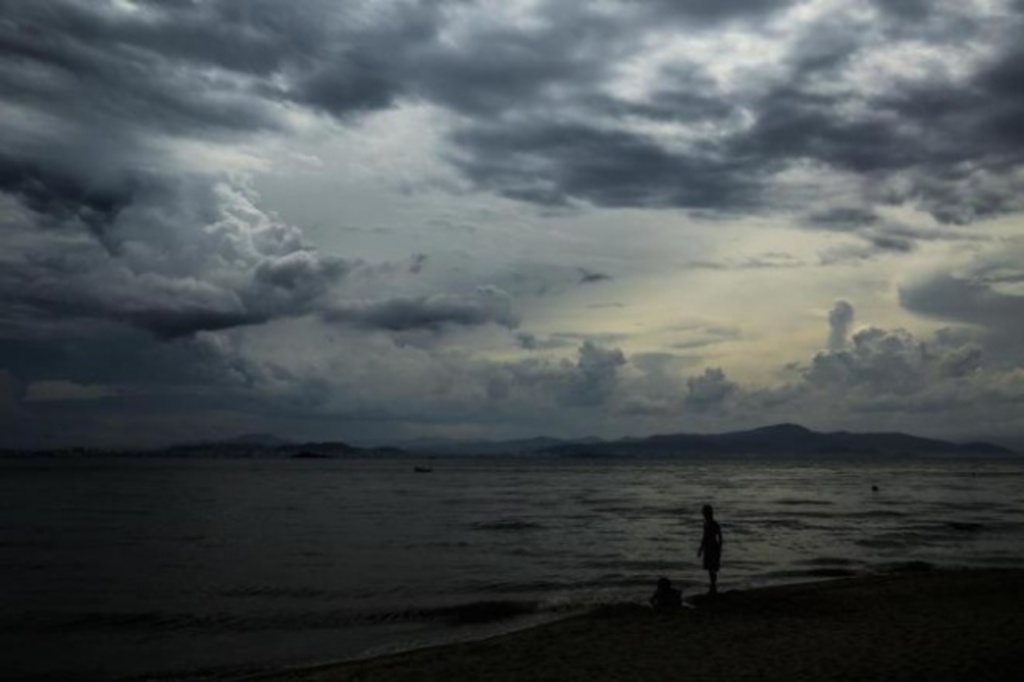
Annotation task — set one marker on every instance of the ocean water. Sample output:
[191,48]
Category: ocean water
[172,568]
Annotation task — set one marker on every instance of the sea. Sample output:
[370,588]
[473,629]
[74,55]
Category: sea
[135,568]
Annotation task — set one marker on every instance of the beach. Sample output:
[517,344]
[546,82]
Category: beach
[915,625]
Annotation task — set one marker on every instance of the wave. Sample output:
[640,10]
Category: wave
[153,622]
[827,561]
[906,567]
[267,592]
[611,581]
[507,525]
[656,566]
[812,573]
[878,514]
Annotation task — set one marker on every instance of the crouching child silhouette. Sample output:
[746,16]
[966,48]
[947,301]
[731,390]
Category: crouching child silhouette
[711,547]
[665,596]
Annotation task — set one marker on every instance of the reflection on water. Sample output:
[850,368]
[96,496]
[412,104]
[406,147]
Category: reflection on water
[126,566]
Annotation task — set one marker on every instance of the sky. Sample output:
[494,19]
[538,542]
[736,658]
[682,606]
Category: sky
[381,221]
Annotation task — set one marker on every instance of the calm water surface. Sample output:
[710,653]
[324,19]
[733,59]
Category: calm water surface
[114,568]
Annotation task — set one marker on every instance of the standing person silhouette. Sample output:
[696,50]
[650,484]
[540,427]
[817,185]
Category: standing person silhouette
[711,547]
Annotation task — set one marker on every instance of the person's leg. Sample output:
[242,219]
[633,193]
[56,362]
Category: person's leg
[714,581]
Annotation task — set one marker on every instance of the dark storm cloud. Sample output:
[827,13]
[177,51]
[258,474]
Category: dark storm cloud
[498,69]
[570,51]
[967,164]
[590,276]
[60,197]
[128,358]
[219,64]
[366,58]
[879,235]
[710,10]
[964,300]
[100,66]
[486,306]
[555,163]
[529,341]
[906,9]
[954,147]
[844,218]
[224,68]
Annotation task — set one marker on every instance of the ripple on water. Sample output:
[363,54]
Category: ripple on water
[507,525]
[964,526]
[828,561]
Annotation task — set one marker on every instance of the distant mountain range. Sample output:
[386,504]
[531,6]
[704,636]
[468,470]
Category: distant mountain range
[777,440]
[268,445]
[780,440]
[501,447]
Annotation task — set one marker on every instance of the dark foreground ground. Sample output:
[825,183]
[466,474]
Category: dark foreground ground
[938,625]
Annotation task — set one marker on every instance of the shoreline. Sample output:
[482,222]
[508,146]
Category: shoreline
[937,624]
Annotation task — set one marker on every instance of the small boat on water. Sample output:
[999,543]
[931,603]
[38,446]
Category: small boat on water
[422,470]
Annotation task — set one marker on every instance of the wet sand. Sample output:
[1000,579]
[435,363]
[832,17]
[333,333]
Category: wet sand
[929,625]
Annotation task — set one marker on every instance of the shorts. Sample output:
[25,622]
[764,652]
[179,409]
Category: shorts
[712,559]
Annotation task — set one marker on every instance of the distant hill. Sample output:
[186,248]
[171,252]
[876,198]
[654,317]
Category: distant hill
[780,440]
[265,445]
[507,447]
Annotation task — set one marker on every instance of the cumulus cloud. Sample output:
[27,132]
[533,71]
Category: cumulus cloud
[884,361]
[195,257]
[595,376]
[891,379]
[840,320]
[708,390]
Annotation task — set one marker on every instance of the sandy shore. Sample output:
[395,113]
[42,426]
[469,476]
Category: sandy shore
[932,625]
